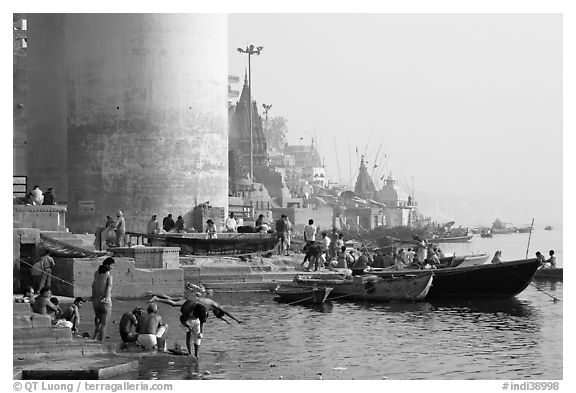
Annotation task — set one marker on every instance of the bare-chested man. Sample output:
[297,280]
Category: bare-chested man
[152,330]
[194,310]
[102,298]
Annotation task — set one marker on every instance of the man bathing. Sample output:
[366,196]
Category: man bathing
[152,330]
[194,310]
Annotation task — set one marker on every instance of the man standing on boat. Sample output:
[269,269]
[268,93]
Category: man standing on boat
[168,223]
[231,224]
[153,225]
[281,233]
[310,232]
[120,229]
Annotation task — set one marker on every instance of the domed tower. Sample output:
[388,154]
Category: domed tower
[364,187]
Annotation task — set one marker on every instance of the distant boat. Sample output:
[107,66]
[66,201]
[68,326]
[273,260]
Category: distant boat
[456,239]
[548,228]
[504,231]
[549,273]
[486,234]
[524,230]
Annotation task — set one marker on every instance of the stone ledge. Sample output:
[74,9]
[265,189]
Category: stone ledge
[96,367]
[40,208]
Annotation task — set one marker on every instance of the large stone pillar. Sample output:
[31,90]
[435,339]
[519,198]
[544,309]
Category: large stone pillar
[147,116]
[45,108]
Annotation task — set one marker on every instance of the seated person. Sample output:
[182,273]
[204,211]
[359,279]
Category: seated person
[497,257]
[540,258]
[552,259]
[72,313]
[128,321]
[43,305]
[56,302]
[152,330]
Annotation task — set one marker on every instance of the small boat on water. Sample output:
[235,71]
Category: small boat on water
[486,234]
[492,280]
[549,273]
[525,229]
[404,286]
[548,228]
[456,239]
[302,294]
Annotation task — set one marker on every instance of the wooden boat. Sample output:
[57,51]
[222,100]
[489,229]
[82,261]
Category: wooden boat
[504,231]
[549,273]
[369,287]
[303,294]
[486,234]
[492,280]
[524,230]
[226,243]
[548,228]
[456,239]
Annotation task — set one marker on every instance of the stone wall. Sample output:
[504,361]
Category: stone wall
[151,257]
[42,217]
[129,281]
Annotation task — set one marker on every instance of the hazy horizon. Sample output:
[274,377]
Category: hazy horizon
[469,105]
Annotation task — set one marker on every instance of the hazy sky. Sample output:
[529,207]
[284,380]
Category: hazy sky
[470,105]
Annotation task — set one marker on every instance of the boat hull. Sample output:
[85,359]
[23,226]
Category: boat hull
[550,274]
[494,280]
[303,295]
[408,287]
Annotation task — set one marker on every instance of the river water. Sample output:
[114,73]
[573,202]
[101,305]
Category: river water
[519,338]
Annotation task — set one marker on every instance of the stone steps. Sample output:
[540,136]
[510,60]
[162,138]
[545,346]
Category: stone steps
[21,321]
[41,335]
[78,347]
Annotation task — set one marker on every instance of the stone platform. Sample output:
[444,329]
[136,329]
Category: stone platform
[93,367]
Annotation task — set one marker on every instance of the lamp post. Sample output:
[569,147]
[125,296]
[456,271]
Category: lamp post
[250,50]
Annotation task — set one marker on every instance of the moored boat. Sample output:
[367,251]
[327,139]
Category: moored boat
[303,294]
[197,244]
[548,228]
[492,280]
[401,286]
[549,273]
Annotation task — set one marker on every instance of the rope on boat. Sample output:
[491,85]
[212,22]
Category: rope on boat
[534,286]
[301,300]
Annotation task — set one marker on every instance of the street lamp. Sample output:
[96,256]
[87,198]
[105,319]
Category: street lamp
[250,50]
